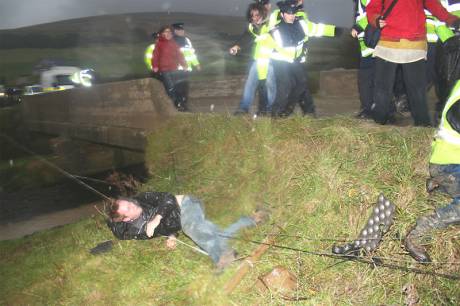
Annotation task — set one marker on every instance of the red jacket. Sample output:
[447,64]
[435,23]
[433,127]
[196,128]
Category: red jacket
[167,56]
[407,19]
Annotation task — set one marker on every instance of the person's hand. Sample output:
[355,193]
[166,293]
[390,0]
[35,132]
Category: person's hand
[155,69]
[354,33]
[234,50]
[171,242]
[381,23]
[152,225]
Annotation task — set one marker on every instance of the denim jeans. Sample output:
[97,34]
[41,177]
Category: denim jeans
[251,85]
[205,233]
[451,212]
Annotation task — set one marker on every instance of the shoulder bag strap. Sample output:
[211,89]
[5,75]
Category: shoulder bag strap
[388,11]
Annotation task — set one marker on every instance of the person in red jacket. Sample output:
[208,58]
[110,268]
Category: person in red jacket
[403,41]
[169,62]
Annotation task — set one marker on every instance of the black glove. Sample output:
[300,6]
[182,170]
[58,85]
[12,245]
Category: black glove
[456,24]
[338,31]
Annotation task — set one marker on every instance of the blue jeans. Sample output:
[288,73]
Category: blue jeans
[251,85]
[205,233]
[451,212]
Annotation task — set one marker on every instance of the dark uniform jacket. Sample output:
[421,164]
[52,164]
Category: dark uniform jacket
[152,203]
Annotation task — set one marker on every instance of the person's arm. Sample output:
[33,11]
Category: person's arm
[243,41]
[156,57]
[152,225]
[373,11]
[125,231]
[436,8]
[319,29]
[164,203]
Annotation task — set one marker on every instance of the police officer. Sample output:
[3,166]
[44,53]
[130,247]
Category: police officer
[186,46]
[445,176]
[289,37]
[448,48]
[367,62]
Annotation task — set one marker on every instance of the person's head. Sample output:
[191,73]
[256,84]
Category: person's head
[256,13]
[266,4]
[178,29]
[166,32]
[125,210]
[288,10]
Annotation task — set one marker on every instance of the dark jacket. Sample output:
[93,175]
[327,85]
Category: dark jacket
[152,203]
[291,33]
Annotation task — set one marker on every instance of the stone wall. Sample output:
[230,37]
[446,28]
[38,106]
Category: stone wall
[121,113]
[117,114]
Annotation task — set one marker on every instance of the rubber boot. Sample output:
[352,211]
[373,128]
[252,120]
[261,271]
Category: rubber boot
[413,243]
[445,216]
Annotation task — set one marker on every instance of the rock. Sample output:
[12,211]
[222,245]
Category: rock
[279,280]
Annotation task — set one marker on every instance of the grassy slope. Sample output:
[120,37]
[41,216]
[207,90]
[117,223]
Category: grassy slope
[319,177]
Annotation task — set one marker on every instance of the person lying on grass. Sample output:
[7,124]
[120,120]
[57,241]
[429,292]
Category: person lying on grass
[155,214]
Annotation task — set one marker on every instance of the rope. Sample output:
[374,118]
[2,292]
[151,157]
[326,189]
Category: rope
[190,246]
[374,261]
[60,170]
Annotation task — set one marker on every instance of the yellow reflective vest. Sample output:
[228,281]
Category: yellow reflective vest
[262,50]
[445,148]
[148,55]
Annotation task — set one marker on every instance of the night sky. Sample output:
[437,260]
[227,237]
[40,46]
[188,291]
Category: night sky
[20,13]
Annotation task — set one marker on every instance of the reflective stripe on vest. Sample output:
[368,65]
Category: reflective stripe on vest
[286,54]
[446,132]
[148,55]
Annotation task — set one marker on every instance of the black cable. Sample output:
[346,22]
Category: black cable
[60,170]
[374,261]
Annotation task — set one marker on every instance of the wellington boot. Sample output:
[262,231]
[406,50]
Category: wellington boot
[413,246]
[413,240]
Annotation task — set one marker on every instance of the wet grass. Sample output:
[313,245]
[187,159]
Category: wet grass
[318,177]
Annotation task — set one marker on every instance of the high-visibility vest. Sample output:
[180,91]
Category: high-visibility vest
[189,54]
[432,23]
[361,21]
[148,55]
[442,30]
[445,148]
[262,49]
[290,54]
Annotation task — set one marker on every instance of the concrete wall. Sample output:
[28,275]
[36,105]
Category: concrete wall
[117,114]
[121,113]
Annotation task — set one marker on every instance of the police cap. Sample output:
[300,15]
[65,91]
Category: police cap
[288,6]
[178,26]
